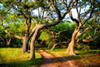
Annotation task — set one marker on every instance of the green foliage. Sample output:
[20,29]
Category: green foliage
[86,48]
[92,34]
[3,34]
[44,36]
[83,46]
[61,32]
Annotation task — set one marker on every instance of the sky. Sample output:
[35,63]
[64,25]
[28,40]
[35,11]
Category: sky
[74,13]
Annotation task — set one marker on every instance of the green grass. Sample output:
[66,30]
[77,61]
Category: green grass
[13,57]
[58,51]
[82,57]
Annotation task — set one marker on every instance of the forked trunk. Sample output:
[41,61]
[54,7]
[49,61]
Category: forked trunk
[70,49]
[32,45]
[8,41]
[25,44]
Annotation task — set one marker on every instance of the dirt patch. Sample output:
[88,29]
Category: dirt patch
[64,61]
[55,61]
[48,61]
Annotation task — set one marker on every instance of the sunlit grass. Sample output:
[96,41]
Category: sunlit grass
[86,58]
[58,51]
[15,57]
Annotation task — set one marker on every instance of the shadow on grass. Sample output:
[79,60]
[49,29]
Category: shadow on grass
[26,63]
[79,56]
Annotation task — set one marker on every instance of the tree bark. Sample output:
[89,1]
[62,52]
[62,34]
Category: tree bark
[70,49]
[53,46]
[48,46]
[25,44]
[8,41]
[26,38]
[32,46]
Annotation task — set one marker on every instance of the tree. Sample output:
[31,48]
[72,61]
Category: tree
[82,19]
[5,38]
[55,13]
[17,8]
[58,34]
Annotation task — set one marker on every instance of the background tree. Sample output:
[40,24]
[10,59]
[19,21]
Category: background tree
[82,19]
[5,38]
[58,34]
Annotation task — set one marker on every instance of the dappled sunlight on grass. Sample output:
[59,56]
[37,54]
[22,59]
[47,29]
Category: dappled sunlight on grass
[15,57]
[58,51]
[82,58]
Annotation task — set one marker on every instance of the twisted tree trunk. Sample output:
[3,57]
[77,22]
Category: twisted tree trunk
[34,33]
[70,49]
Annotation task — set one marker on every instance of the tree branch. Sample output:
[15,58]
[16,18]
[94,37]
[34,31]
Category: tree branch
[89,16]
[15,36]
[77,22]
[32,32]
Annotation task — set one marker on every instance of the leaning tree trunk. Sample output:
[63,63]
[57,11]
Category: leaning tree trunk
[32,45]
[53,47]
[25,44]
[70,49]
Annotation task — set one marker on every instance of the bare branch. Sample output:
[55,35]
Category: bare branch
[65,4]
[47,17]
[89,16]
[35,20]
[32,32]
[23,14]
[50,32]
[78,12]
[58,11]
[77,22]
[68,8]
[15,36]
[26,22]
[70,3]
[42,10]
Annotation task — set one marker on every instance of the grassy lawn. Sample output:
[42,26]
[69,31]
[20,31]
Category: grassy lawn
[83,58]
[13,57]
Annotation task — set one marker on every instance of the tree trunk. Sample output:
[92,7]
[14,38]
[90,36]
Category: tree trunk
[41,42]
[48,46]
[32,45]
[8,41]
[70,49]
[25,44]
[4,41]
[53,46]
